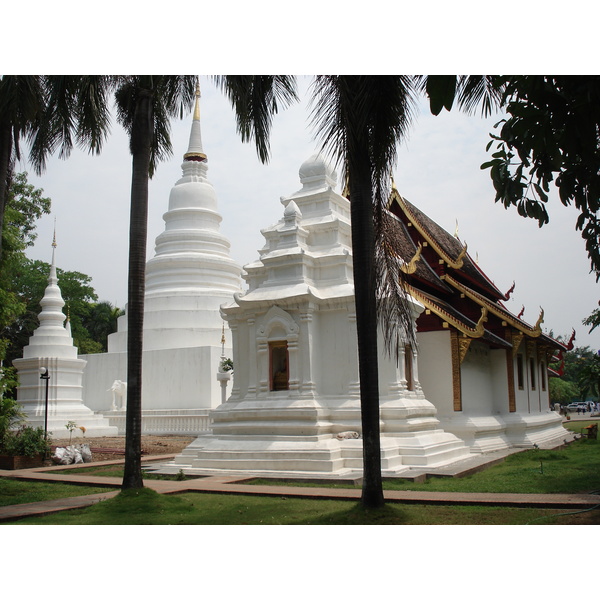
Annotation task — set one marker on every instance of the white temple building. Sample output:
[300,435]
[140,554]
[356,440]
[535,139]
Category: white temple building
[295,402]
[51,348]
[190,276]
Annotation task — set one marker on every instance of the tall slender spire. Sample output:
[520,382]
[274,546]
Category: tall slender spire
[195,151]
[53,279]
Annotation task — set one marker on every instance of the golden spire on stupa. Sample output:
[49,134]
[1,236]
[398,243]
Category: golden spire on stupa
[195,151]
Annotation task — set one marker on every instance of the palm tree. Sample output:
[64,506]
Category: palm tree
[21,100]
[145,103]
[50,111]
[360,120]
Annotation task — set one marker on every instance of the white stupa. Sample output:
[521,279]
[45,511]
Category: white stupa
[295,403]
[191,273]
[190,276]
[51,347]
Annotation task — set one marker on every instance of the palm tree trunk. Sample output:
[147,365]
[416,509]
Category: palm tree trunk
[363,258]
[141,138]
[5,156]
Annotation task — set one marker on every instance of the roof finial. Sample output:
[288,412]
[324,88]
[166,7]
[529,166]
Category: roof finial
[53,264]
[195,151]
[197,107]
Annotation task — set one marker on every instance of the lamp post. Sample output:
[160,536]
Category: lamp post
[45,376]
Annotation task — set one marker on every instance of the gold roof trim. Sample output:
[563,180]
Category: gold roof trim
[533,332]
[454,263]
[476,332]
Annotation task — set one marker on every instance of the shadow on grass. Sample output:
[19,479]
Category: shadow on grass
[146,507]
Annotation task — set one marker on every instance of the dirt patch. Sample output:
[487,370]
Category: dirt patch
[151,444]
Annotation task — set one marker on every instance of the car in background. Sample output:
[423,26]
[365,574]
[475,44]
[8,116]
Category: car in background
[575,405]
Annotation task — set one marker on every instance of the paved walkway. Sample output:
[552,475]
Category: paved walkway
[235,485]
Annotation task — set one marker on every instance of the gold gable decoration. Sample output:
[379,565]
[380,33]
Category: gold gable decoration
[538,326]
[410,267]
[463,345]
[517,338]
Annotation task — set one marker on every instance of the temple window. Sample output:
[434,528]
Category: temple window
[520,379]
[408,368]
[532,371]
[278,366]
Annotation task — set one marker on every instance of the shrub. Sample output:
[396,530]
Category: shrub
[26,441]
[11,416]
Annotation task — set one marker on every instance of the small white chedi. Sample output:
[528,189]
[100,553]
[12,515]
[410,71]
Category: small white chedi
[295,403]
[51,348]
[190,275]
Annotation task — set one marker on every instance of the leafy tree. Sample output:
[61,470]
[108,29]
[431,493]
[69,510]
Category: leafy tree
[574,361]
[593,320]
[551,134]
[588,376]
[100,320]
[576,379]
[562,391]
[145,104]
[24,206]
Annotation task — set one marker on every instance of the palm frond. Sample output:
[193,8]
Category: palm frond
[172,96]
[479,91]
[93,111]
[376,112]
[21,102]
[256,99]
[394,308]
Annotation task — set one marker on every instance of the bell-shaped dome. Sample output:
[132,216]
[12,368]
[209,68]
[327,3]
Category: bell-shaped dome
[316,172]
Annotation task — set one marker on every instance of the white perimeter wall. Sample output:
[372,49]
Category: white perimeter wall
[181,378]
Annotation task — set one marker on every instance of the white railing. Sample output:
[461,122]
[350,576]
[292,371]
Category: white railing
[164,422]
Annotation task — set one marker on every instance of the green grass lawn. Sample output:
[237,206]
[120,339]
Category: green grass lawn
[577,426]
[15,491]
[146,507]
[572,469]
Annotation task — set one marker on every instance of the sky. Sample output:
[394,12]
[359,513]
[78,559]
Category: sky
[438,170]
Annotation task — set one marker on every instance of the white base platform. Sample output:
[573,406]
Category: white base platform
[492,433]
